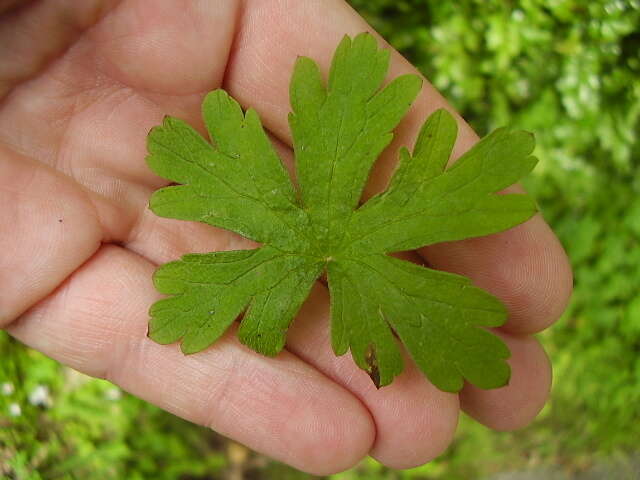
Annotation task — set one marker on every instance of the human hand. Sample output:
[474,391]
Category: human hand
[81,83]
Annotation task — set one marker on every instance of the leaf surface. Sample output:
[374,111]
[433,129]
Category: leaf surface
[378,303]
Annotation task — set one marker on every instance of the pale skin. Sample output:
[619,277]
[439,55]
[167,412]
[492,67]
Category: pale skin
[81,83]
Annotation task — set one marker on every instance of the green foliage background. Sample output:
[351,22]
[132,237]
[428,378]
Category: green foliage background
[567,70]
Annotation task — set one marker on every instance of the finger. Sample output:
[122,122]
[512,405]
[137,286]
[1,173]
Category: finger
[88,110]
[517,404]
[96,322]
[271,36]
[415,422]
[525,267]
[174,49]
[31,37]
[89,120]
[47,229]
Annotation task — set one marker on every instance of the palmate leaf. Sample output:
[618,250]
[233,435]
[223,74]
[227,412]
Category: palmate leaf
[238,183]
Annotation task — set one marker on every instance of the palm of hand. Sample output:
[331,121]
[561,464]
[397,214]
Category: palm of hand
[80,85]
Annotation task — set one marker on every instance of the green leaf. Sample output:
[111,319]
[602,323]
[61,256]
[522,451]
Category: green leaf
[378,302]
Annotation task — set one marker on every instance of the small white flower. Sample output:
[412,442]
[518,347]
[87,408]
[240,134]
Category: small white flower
[15,410]
[113,394]
[518,15]
[7,388]
[40,396]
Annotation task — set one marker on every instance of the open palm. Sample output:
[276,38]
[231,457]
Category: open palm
[81,83]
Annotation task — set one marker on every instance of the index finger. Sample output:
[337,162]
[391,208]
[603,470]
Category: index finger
[525,267]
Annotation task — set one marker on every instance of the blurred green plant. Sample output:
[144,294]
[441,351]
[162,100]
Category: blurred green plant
[567,70]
